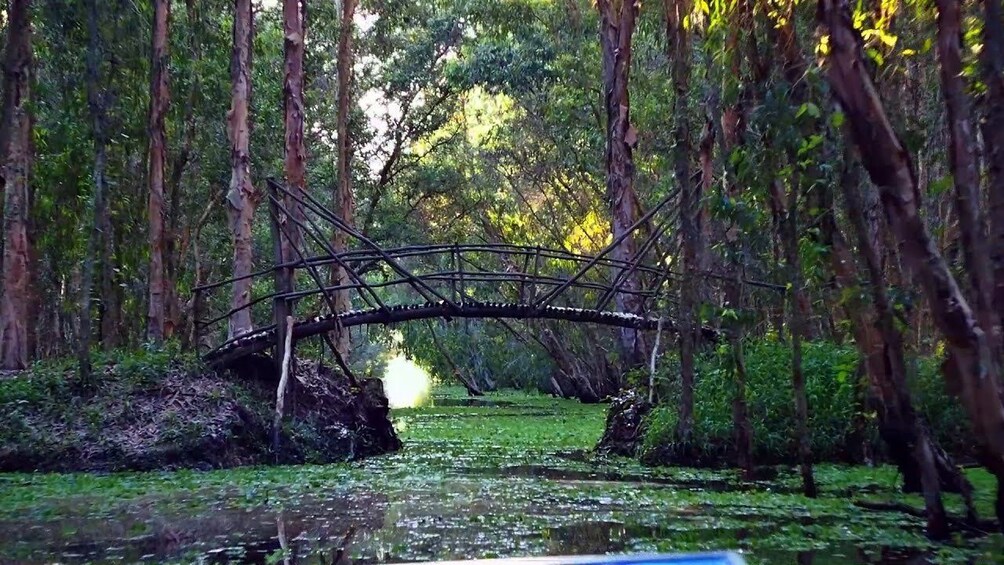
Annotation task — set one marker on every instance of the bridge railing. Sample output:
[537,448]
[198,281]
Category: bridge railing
[434,280]
[456,276]
[459,274]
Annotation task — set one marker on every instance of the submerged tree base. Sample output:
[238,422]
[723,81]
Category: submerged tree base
[150,416]
[624,429]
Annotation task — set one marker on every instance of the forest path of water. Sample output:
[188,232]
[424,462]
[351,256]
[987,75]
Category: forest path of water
[507,476]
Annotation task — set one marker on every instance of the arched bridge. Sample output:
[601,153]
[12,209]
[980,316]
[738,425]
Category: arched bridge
[388,286]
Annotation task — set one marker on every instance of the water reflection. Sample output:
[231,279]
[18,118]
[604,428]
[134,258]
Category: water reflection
[587,538]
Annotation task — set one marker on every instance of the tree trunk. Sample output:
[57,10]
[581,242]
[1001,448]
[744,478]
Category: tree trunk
[733,136]
[242,197]
[295,154]
[993,138]
[470,385]
[788,212]
[345,204]
[286,229]
[575,383]
[112,329]
[16,161]
[96,107]
[881,346]
[794,69]
[965,173]
[617,23]
[159,102]
[678,47]
[177,236]
[972,369]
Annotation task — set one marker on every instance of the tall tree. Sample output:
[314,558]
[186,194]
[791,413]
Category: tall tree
[993,138]
[241,197]
[15,159]
[160,99]
[343,192]
[679,48]
[178,224]
[295,152]
[96,109]
[786,207]
[734,118]
[972,370]
[882,351]
[965,172]
[617,24]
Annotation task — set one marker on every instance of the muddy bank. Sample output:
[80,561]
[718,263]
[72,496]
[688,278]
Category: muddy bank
[164,414]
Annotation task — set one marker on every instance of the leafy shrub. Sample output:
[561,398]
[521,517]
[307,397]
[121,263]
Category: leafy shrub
[944,414]
[836,421]
[830,385]
[49,395]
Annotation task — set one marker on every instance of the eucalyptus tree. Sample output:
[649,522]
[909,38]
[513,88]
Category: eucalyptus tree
[242,198]
[160,98]
[16,160]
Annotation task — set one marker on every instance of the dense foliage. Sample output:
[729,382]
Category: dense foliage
[843,421]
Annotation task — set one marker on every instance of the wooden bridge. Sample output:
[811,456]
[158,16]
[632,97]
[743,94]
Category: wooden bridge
[388,286]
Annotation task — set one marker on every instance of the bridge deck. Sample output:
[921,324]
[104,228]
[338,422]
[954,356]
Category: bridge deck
[264,338]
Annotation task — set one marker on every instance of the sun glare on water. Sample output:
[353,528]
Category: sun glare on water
[407,385]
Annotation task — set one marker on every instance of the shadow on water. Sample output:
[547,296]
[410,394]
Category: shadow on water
[585,538]
[309,526]
[554,473]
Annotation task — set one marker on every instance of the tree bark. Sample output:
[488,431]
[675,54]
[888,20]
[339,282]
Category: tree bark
[96,107]
[343,197]
[678,47]
[794,69]
[16,161]
[972,370]
[295,154]
[470,385]
[617,24]
[177,235]
[965,173]
[159,102]
[796,323]
[242,197]
[993,139]
[881,346]
[733,123]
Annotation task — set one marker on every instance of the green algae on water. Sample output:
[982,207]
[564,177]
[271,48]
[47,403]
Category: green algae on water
[511,475]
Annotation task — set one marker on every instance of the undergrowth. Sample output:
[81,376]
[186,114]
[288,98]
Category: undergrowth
[161,408]
[841,420]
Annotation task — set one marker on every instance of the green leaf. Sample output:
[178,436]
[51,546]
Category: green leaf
[808,109]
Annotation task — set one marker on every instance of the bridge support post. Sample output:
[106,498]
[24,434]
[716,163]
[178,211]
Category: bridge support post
[536,275]
[460,269]
[455,260]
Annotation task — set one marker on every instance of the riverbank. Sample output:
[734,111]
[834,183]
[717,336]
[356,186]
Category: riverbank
[505,475]
[160,410]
